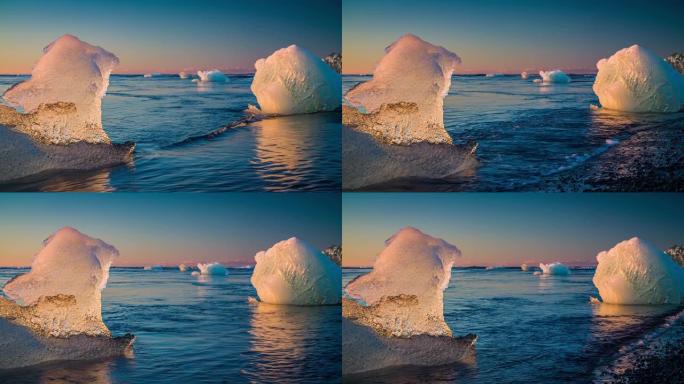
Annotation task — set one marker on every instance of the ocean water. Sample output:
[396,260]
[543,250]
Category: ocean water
[201,330]
[537,329]
[172,120]
[548,137]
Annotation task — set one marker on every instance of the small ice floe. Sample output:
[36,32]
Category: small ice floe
[554,269]
[212,76]
[213,269]
[195,273]
[635,79]
[153,268]
[554,77]
[636,272]
[394,315]
[293,80]
[524,267]
[183,268]
[537,81]
[294,272]
[56,312]
[524,75]
[404,102]
[537,273]
[494,75]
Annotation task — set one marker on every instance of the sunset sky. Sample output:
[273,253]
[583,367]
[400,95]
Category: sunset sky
[169,228]
[169,35]
[512,228]
[511,36]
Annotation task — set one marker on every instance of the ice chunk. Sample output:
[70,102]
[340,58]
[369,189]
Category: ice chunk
[537,81]
[404,100]
[153,268]
[636,272]
[494,75]
[525,267]
[293,80]
[556,76]
[635,79]
[294,272]
[183,75]
[213,76]
[182,267]
[65,283]
[214,269]
[147,75]
[403,295]
[75,74]
[195,273]
[524,75]
[554,269]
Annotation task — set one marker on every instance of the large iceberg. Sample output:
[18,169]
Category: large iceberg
[293,80]
[403,295]
[393,316]
[75,267]
[554,269]
[57,312]
[294,272]
[214,269]
[635,79]
[403,103]
[212,76]
[636,272]
[62,99]
[556,76]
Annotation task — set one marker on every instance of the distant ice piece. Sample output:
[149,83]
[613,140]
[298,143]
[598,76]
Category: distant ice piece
[403,295]
[635,79]
[65,283]
[556,77]
[525,267]
[183,75]
[636,272]
[153,268]
[554,269]
[213,76]
[404,102]
[494,75]
[293,80]
[294,272]
[537,81]
[524,75]
[195,273]
[214,269]
[147,75]
[183,268]
[66,89]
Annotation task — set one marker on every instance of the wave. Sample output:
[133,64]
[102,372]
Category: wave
[242,122]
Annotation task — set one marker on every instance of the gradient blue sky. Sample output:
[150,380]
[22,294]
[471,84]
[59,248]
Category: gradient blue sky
[511,36]
[512,228]
[169,35]
[169,228]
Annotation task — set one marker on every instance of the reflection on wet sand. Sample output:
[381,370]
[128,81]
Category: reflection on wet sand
[289,342]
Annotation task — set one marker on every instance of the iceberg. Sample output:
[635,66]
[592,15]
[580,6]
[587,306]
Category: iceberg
[635,79]
[293,80]
[294,272]
[213,76]
[524,75]
[556,76]
[183,268]
[403,295]
[75,266]
[393,316]
[403,103]
[636,272]
[62,100]
[55,310]
[214,269]
[525,267]
[184,75]
[554,269]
